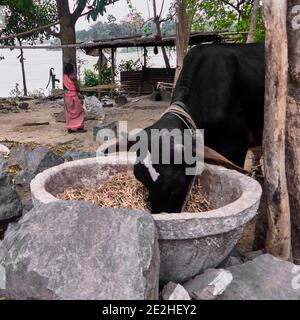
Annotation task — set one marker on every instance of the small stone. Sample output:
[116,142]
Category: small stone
[24,106]
[4,149]
[121,100]
[208,285]
[156,96]
[60,116]
[174,291]
[253,255]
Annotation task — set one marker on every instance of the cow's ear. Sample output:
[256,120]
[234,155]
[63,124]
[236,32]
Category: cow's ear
[213,157]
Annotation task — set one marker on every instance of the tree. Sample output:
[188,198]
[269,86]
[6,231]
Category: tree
[233,16]
[68,21]
[253,22]
[185,11]
[293,124]
[134,20]
[278,235]
[17,24]
[157,20]
[67,18]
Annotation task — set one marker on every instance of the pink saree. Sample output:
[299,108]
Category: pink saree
[74,112]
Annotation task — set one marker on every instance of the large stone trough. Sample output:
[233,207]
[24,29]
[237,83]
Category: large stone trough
[189,242]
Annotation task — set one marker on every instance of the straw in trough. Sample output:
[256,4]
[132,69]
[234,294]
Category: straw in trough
[124,191]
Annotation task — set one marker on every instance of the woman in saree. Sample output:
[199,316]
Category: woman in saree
[74,112]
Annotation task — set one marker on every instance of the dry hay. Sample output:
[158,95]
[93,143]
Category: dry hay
[124,191]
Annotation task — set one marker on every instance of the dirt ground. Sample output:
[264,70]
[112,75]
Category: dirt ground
[139,114]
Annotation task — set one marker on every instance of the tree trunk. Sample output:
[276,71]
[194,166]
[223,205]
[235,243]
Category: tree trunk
[23,69]
[183,30]
[158,32]
[253,22]
[67,33]
[293,126]
[278,237]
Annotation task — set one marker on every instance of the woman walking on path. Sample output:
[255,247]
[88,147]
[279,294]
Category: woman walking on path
[74,112]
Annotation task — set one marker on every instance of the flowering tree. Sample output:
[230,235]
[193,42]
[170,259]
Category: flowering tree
[134,20]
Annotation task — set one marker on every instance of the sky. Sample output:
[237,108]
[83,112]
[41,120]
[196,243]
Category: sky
[120,9]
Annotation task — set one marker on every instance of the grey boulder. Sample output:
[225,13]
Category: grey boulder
[18,155]
[36,162]
[93,109]
[76,250]
[10,203]
[208,285]
[264,278]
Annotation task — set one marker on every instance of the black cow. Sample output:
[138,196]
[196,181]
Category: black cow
[222,87]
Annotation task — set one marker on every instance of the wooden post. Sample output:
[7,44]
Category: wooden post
[113,64]
[278,235]
[23,69]
[100,64]
[145,58]
[293,124]
[144,67]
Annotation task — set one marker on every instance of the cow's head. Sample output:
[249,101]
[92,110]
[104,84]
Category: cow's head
[166,181]
[168,184]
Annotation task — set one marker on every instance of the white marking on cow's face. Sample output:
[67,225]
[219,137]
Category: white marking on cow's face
[148,164]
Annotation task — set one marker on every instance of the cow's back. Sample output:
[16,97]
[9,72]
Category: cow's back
[223,87]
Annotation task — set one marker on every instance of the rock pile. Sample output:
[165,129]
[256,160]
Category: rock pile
[7,106]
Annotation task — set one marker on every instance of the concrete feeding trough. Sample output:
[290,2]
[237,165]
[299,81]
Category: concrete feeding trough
[189,242]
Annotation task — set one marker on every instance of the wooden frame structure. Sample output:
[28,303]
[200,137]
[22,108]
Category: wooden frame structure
[96,47]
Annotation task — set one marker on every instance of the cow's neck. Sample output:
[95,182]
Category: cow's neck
[169,121]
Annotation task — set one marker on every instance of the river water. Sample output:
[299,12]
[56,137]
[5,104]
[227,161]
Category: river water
[39,61]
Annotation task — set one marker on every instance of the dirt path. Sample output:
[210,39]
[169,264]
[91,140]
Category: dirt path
[139,114]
